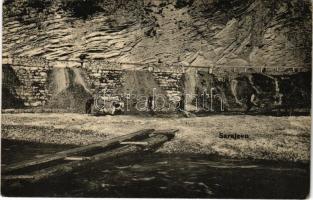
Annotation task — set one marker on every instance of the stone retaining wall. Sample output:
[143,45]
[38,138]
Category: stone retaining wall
[33,87]
[29,79]
[104,79]
[110,82]
[172,83]
[29,84]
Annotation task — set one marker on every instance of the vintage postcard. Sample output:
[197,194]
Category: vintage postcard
[156,98]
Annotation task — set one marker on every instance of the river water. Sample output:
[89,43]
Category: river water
[163,175]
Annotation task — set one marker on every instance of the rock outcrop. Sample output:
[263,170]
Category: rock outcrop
[191,32]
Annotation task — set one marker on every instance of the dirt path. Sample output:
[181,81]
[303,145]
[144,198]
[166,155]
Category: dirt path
[266,137]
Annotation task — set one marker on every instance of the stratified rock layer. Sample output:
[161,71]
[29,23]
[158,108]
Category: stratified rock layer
[210,33]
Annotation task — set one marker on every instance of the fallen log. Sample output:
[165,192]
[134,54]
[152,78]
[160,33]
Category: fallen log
[135,143]
[76,158]
[154,140]
[61,155]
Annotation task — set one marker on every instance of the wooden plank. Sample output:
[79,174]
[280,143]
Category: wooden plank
[76,158]
[135,143]
[17,177]
[66,153]
[68,167]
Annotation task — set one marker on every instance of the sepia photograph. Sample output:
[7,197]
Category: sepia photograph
[156,98]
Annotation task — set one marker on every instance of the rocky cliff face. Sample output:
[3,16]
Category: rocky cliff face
[192,32]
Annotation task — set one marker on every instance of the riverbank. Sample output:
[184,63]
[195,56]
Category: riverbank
[239,136]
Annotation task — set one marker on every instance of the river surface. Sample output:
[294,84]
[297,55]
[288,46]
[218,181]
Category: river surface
[162,175]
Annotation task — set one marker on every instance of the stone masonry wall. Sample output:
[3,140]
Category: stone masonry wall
[172,83]
[32,77]
[34,83]
[108,80]
[34,88]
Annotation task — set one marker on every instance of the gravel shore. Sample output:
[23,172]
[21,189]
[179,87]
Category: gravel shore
[240,136]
